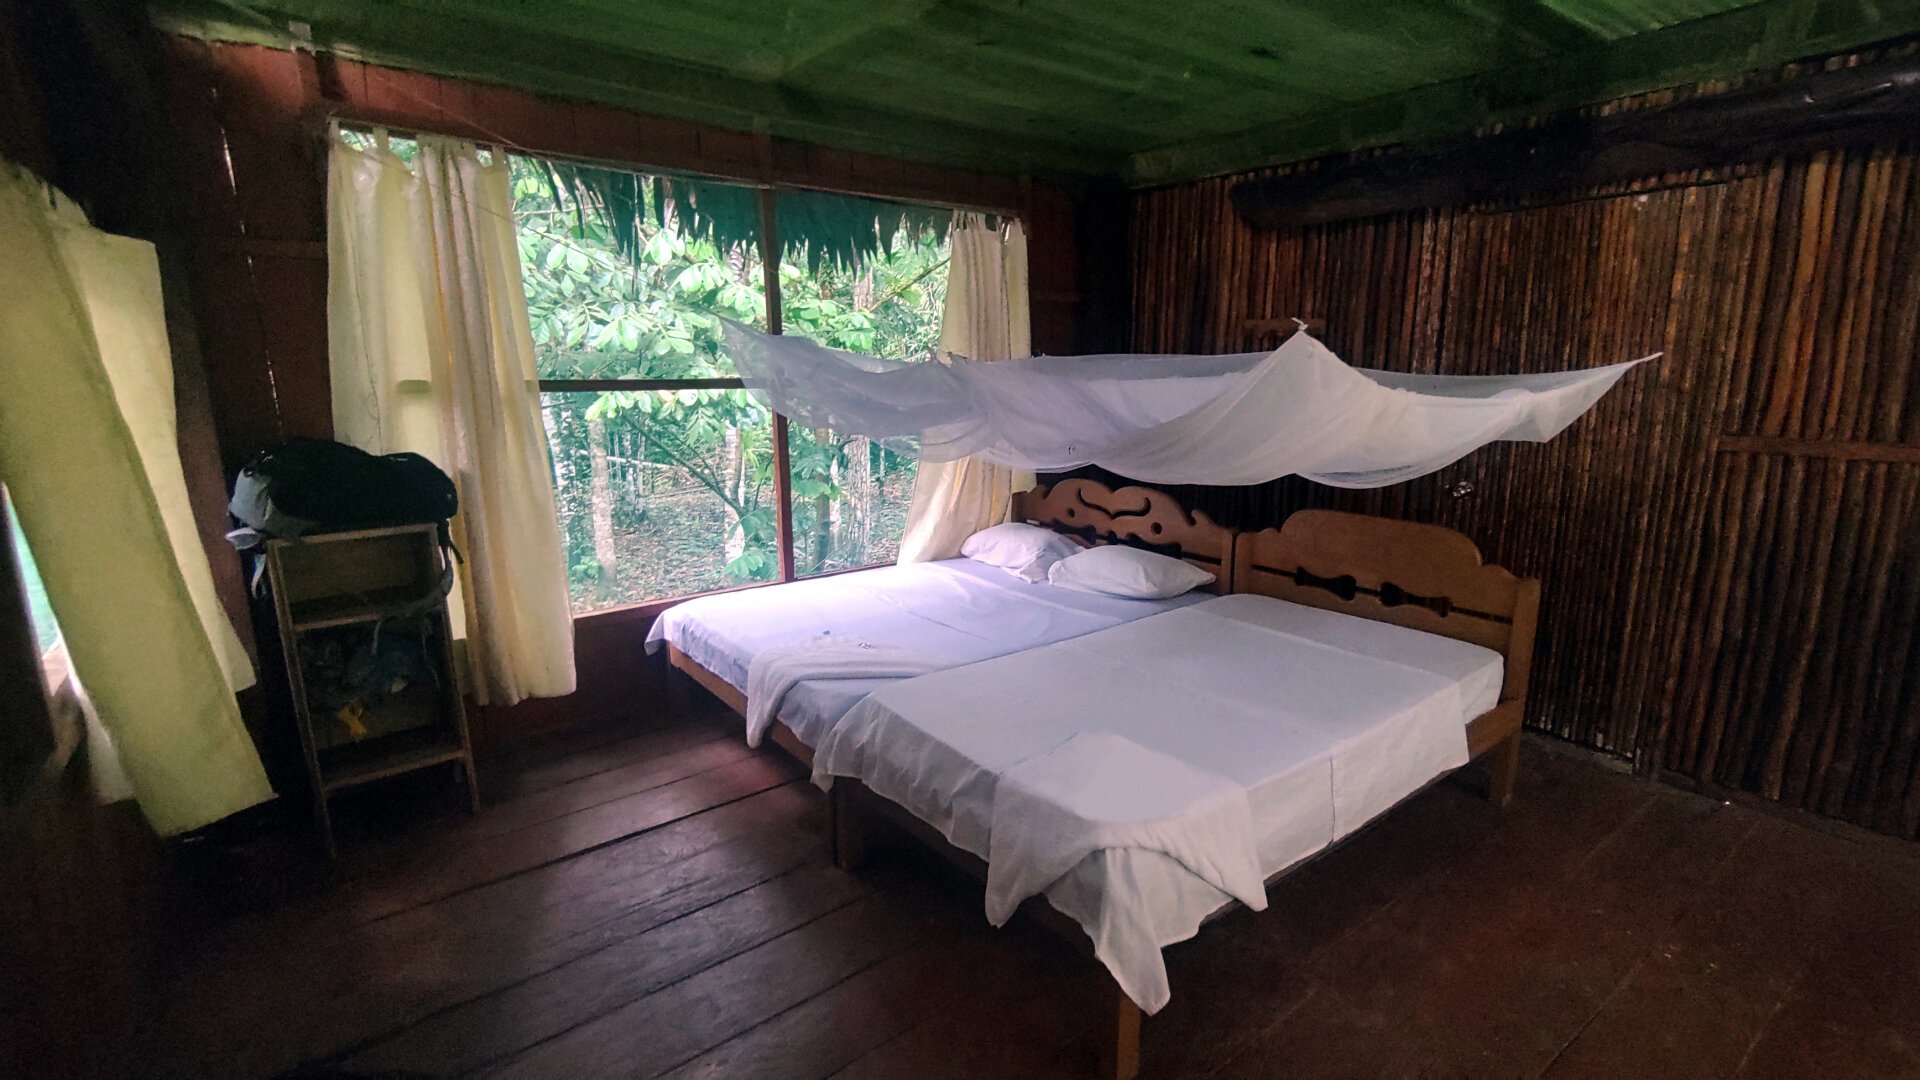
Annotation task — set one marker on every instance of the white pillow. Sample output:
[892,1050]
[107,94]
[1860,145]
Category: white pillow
[1123,571]
[1023,550]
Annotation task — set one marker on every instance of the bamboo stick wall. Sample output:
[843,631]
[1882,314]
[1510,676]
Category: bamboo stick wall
[1730,543]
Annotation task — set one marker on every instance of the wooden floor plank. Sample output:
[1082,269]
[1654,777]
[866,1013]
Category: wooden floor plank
[1857,1010]
[487,1029]
[543,766]
[1010,1031]
[1824,1029]
[1035,1020]
[1415,845]
[656,900]
[1790,909]
[975,1000]
[1029,1003]
[592,729]
[1550,946]
[667,1028]
[384,854]
[689,752]
[821,1035]
[1324,1038]
[1230,984]
[465,865]
[367,980]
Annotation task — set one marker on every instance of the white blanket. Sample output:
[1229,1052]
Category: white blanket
[1100,792]
[957,609]
[1322,720]
[776,671]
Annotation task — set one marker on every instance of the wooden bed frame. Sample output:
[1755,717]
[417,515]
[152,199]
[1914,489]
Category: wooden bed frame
[1137,517]
[1424,577]
[1090,512]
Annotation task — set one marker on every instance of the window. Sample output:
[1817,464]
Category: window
[33,721]
[850,495]
[663,467]
[666,471]
[39,612]
[662,492]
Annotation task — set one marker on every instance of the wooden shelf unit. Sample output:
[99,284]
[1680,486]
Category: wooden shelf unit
[324,612]
[351,583]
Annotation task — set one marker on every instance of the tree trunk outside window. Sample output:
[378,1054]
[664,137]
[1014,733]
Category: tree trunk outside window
[604,551]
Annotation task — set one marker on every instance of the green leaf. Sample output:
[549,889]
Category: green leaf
[660,248]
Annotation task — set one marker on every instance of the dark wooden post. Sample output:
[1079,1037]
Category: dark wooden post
[1120,1043]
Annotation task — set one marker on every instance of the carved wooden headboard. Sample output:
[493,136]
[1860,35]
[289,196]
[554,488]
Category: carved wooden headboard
[1421,576]
[1135,516]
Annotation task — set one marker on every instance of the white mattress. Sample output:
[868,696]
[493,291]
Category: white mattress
[956,609]
[1325,719]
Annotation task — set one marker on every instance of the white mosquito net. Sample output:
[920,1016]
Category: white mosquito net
[1239,419]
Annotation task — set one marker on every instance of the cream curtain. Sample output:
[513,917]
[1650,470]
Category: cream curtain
[118,280]
[88,454]
[431,352]
[986,318]
[380,342]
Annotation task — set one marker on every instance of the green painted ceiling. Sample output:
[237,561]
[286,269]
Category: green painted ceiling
[1149,90]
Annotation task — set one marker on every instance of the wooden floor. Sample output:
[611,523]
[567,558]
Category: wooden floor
[642,900]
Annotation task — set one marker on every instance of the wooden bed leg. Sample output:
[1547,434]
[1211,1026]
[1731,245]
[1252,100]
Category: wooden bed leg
[1120,1043]
[1503,768]
[679,690]
[846,831]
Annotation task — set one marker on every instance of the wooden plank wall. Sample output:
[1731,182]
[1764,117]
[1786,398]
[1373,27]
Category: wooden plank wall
[1730,543]
[250,125]
[83,881]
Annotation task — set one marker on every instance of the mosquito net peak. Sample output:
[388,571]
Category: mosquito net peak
[1238,419]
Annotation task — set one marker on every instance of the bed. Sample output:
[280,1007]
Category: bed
[1356,660]
[957,610]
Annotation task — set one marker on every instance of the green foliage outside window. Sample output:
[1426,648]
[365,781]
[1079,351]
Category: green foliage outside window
[665,493]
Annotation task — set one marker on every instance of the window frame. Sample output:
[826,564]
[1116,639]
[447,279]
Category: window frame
[40,705]
[767,190]
[769,243]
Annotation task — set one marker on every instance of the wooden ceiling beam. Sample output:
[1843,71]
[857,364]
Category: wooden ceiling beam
[409,38]
[1095,85]
[837,65]
[897,17]
[1826,110]
[1539,27]
[1264,53]
[1122,86]
[1005,109]
[1760,36]
[1095,39]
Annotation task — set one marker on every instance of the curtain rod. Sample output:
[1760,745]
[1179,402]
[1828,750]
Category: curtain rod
[345,119]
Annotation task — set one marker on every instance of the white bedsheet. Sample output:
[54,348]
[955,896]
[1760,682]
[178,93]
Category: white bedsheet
[956,610]
[1097,791]
[776,671]
[1323,719]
